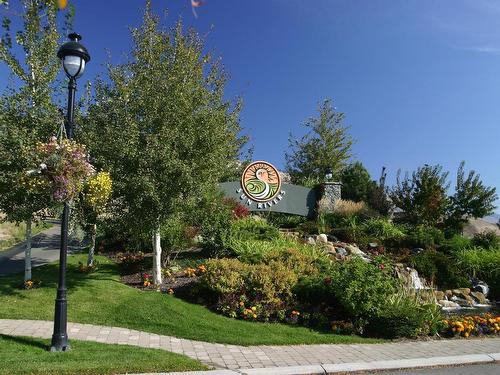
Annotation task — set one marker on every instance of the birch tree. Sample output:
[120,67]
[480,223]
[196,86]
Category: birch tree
[28,113]
[162,127]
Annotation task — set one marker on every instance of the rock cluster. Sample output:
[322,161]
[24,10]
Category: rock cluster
[338,250]
[461,297]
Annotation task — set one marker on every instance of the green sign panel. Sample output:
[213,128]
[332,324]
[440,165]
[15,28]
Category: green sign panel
[290,199]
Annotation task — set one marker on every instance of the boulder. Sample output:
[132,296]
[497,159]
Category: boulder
[479,298]
[465,302]
[341,251]
[332,238]
[448,293]
[354,250]
[439,295]
[330,249]
[461,291]
[322,238]
[311,241]
[480,286]
[448,304]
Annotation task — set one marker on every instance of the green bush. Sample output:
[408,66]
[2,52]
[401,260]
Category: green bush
[440,269]
[214,218]
[361,288]
[484,265]
[253,251]
[261,292]
[285,221]
[486,240]
[382,229]
[425,237]
[251,228]
[455,243]
[404,315]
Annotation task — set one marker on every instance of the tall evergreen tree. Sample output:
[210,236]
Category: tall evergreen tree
[326,145]
[162,127]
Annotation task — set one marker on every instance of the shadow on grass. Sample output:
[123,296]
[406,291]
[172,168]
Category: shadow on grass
[12,285]
[23,341]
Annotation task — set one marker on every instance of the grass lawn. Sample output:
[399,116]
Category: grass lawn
[100,298]
[23,355]
[11,234]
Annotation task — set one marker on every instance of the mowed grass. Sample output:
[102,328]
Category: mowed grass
[100,298]
[24,355]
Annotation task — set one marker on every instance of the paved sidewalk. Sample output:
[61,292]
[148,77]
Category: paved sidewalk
[258,357]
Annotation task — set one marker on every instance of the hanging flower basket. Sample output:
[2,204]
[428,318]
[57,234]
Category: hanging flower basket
[65,166]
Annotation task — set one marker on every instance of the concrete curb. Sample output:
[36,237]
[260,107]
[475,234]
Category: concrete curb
[326,369]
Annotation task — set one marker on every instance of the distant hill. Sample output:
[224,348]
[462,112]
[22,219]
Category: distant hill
[481,225]
[495,218]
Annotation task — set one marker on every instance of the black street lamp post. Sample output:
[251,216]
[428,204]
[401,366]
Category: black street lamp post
[74,57]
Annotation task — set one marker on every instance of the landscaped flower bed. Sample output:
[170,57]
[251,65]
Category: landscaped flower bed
[466,326]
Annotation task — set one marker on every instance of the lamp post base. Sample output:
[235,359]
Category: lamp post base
[60,344]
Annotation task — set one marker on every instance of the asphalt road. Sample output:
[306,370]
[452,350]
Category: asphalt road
[488,369]
[44,249]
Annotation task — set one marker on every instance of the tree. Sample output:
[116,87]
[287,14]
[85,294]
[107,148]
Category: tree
[28,114]
[422,197]
[356,182]
[162,128]
[326,145]
[91,205]
[471,199]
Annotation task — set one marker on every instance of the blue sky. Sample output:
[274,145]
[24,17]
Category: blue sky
[418,80]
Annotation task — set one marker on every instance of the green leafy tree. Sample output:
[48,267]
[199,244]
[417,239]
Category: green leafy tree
[472,199]
[356,182]
[162,128]
[91,205]
[28,113]
[422,197]
[326,145]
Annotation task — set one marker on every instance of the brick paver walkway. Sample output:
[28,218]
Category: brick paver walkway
[241,357]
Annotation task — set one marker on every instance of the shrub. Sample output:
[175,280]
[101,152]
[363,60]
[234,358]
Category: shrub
[404,315]
[214,219]
[425,237]
[285,221]
[224,276]
[487,240]
[250,291]
[361,288]
[484,265]
[130,263]
[238,210]
[382,229]
[251,228]
[346,208]
[455,243]
[253,251]
[439,269]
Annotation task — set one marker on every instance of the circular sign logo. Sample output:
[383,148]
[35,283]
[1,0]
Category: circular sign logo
[261,181]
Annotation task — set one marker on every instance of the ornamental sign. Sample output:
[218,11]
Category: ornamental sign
[261,183]
[260,189]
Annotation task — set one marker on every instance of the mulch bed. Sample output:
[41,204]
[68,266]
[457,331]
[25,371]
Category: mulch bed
[178,282]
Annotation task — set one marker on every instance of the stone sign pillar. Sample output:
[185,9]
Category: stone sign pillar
[332,192]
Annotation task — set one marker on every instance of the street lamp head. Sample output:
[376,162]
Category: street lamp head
[328,174]
[74,56]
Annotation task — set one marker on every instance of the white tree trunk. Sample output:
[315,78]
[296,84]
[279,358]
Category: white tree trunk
[93,234]
[157,277]
[27,252]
